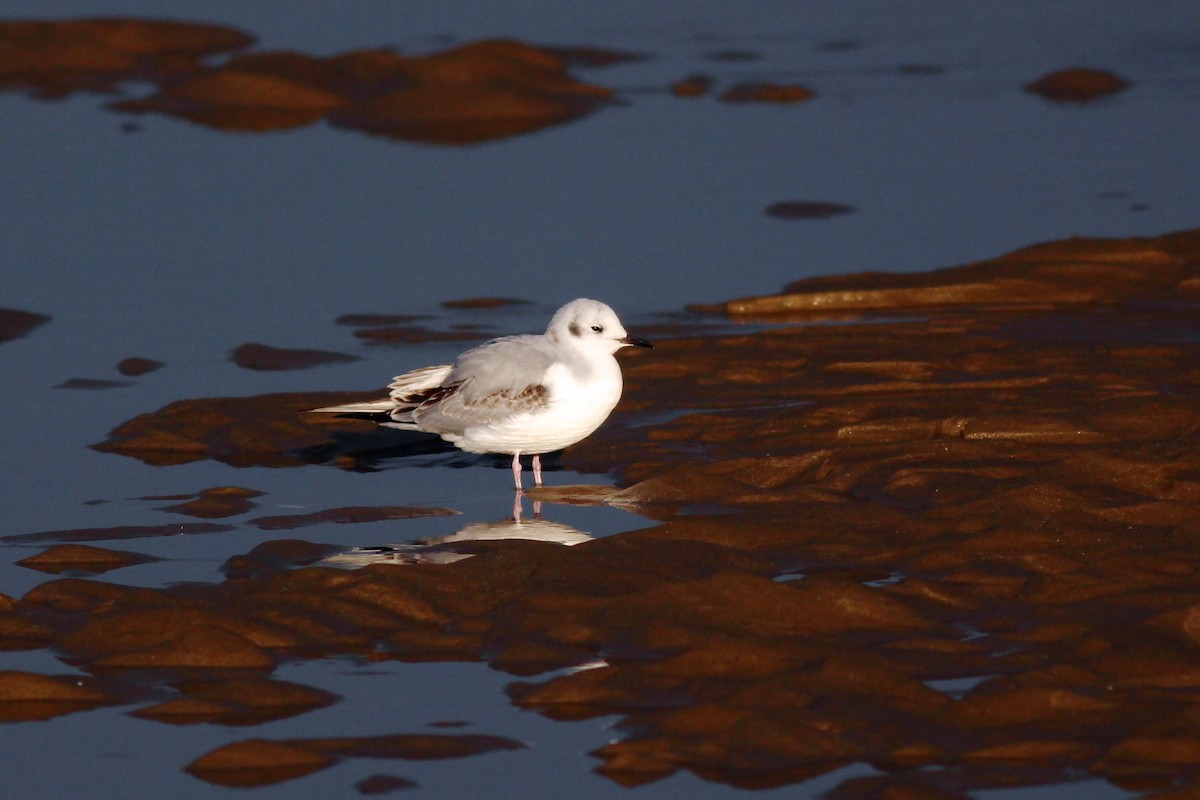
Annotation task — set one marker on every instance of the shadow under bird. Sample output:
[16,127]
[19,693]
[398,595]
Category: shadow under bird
[519,395]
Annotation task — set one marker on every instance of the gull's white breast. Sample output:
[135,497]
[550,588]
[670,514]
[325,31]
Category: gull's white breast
[576,407]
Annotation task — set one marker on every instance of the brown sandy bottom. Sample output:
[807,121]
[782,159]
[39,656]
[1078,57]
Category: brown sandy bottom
[473,93]
[943,524]
[477,92]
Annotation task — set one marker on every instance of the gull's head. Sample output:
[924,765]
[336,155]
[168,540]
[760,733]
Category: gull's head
[592,326]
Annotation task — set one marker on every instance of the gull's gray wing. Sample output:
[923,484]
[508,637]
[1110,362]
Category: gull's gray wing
[410,388]
[505,364]
[489,383]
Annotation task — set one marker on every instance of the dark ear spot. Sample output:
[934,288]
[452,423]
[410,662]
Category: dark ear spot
[575,329]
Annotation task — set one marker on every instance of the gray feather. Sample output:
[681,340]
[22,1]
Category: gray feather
[489,383]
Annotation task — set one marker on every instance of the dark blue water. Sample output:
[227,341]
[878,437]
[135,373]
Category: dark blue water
[179,243]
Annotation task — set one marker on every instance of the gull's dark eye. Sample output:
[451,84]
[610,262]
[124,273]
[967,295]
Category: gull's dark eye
[598,328]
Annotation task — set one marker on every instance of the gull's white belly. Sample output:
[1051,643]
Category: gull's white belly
[575,409]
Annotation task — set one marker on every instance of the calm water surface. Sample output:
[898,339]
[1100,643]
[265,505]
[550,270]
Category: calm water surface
[175,242]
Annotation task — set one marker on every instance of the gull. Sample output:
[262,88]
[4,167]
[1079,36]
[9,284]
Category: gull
[519,395]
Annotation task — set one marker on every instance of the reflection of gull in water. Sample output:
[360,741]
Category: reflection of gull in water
[390,554]
[448,549]
[536,529]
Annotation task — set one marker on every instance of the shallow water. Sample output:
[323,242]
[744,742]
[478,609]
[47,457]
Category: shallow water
[176,242]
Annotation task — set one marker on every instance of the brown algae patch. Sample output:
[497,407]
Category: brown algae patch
[693,86]
[265,358]
[260,762]
[383,784]
[265,430]
[91,384]
[238,701]
[414,334]
[216,503]
[1080,85]
[473,93]
[30,697]
[15,323]
[1081,272]
[807,209]
[767,93]
[481,303]
[135,366]
[82,558]
[55,58]
[377,320]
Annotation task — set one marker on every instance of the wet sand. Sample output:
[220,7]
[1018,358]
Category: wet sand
[474,93]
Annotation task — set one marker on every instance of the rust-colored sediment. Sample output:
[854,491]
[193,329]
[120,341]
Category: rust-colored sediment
[942,524]
[476,303]
[767,93]
[377,320]
[414,334]
[82,558]
[29,697]
[264,358]
[216,503]
[1079,85]
[236,701]
[266,430]
[15,323]
[807,209]
[383,784]
[91,384]
[474,93]
[692,86]
[258,762]
[56,58]
[135,366]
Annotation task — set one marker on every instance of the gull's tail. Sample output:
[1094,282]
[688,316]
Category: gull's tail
[381,406]
[407,392]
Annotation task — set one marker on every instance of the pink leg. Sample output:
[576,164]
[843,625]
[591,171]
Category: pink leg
[517,506]
[517,471]
[537,470]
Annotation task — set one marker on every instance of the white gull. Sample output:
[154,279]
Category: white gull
[524,395]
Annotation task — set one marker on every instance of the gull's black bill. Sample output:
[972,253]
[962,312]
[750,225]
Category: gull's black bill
[636,341]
